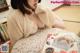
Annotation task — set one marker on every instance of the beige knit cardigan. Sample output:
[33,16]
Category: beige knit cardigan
[19,26]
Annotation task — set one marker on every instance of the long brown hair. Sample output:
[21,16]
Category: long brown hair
[19,4]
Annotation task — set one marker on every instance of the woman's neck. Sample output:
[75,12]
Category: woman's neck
[31,10]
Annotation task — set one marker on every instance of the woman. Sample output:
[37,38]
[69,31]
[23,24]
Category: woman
[29,25]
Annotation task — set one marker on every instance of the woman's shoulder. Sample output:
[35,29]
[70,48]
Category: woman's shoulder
[14,13]
[41,9]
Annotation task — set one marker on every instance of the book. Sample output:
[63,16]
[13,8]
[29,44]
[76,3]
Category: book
[1,39]
[2,34]
[4,28]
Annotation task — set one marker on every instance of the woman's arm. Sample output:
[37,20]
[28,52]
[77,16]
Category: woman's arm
[55,20]
[13,29]
[58,22]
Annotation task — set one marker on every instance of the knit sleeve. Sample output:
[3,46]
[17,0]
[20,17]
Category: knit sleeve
[14,31]
[55,20]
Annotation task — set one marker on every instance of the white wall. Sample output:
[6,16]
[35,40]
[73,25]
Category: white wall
[8,1]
